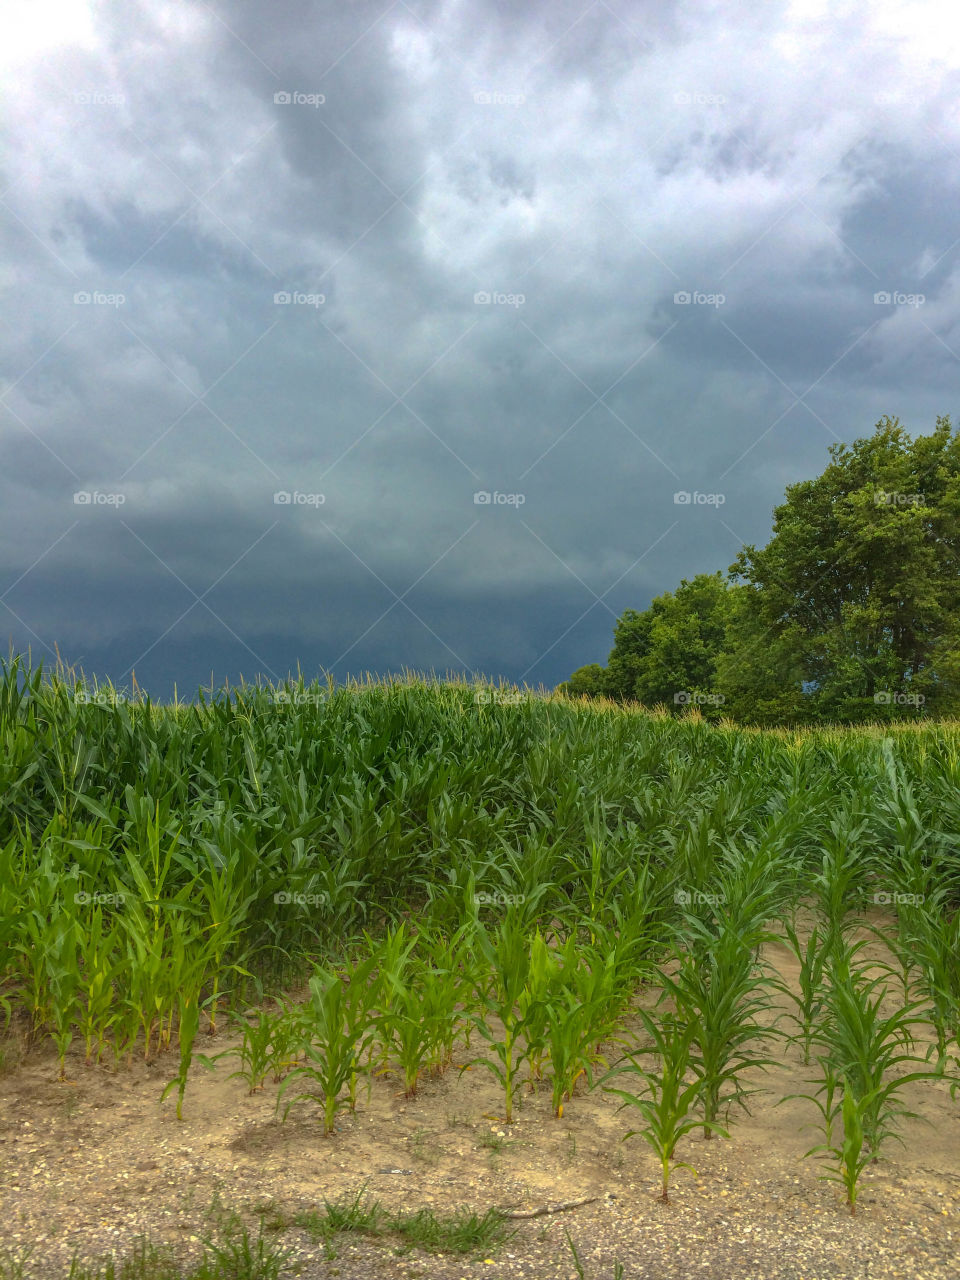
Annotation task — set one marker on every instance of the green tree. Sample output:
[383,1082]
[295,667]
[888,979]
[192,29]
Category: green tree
[669,649]
[589,681]
[852,610]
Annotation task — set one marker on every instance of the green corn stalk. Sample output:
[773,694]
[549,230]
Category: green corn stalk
[848,1158]
[188,1025]
[666,1105]
[339,1031]
[864,1047]
[508,957]
[100,964]
[408,1034]
[720,997]
[574,1031]
[254,1051]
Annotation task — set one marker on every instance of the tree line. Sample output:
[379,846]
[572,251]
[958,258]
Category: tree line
[851,612]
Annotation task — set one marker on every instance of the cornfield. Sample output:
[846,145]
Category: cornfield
[439,861]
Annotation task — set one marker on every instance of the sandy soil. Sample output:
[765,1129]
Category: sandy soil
[88,1166]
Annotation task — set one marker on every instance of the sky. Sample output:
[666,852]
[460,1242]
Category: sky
[362,336]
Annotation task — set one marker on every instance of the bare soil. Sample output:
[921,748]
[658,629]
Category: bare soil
[89,1165]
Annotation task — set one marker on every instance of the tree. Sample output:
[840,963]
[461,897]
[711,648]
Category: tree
[668,650]
[586,682]
[852,610]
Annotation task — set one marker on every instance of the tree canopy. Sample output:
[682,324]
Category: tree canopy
[850,612]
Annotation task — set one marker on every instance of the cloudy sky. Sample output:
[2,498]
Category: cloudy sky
[386,260]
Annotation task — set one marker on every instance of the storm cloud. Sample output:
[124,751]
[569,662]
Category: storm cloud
[380,335]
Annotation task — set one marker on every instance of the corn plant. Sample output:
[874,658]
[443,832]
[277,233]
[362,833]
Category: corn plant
[188,1025]
[99,953]
[666,1105]
[574,1030]
[339,1027]
[848,1158]
[719,996]
[863,1047]
[255,1051]
[508,957]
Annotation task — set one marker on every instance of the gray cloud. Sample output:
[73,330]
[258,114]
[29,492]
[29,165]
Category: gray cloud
[581,165]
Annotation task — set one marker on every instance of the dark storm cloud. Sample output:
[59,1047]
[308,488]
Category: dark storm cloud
[582,167]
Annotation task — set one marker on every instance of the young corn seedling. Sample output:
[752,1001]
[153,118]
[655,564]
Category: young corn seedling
[720,996]
[864,1047]
[574,1030]
[848,1157]
[508,956]
[254,1051]
[812,957]
[340,1028]
[407,1034]
[188,1024]
[666,1105]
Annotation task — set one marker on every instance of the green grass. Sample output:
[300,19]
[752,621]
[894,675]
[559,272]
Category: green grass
[460,1232]
[234,1254]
